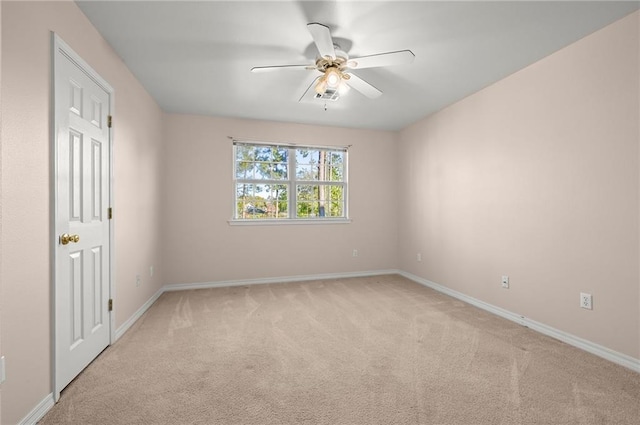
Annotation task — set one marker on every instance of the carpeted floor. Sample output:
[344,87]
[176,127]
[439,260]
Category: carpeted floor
[375,350]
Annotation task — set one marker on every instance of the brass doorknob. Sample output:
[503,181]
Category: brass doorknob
[66,238]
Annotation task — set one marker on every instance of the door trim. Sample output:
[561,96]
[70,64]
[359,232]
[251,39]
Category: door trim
[58,49]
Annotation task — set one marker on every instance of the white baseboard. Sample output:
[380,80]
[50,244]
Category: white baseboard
[131,320]
[39,411]
[588,346]
[282,279]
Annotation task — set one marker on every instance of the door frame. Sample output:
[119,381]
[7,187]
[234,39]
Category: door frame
[59,49]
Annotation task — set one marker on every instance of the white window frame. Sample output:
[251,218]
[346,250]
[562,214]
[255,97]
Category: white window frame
[291,184]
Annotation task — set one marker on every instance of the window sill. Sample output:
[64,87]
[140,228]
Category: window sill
[288,221]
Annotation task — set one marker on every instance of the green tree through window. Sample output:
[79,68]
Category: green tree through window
[286,182]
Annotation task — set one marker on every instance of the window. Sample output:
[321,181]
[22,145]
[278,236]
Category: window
[281,182]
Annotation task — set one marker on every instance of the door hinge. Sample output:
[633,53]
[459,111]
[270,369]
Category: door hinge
[110,304]
[109,121]
[110,213]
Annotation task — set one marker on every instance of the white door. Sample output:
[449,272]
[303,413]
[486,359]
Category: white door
[82,201]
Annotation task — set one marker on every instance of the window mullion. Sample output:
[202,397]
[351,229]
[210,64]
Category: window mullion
[293,207]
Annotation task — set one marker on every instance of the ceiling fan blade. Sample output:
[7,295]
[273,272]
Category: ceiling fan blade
[363,87]
[401,57]
[322,37]
[280,67]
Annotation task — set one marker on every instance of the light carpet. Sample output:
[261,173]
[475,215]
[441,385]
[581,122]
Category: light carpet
[374,350]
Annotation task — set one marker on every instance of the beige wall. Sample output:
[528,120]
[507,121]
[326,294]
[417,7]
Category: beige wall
[200,245]
[536,177]
[1,294]
[25,273]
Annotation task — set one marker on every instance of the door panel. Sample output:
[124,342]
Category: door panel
[82,275]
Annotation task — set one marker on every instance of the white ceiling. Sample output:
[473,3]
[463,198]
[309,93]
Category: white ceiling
[195,57]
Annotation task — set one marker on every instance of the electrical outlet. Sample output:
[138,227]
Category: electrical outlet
[137,280]
[355,252]
[419,256]
[586,301]
[505,282]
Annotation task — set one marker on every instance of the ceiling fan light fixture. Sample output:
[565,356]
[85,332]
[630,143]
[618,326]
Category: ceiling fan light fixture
[333,77]
[321,86]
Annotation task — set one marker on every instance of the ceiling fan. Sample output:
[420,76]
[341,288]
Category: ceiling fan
[336,68]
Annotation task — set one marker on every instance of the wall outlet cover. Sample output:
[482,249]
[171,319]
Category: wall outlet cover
[586,301]
[505,282]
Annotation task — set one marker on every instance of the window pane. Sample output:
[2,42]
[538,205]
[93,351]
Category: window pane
[261,201]
[245,194]
[307,164]
[244,153]
[279,154]
[243,170]
[307,156]
[277,201]
[263,153]
[319,201]
[307,172]
[262,171]
[276,171]
[336,198]
[336,163]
